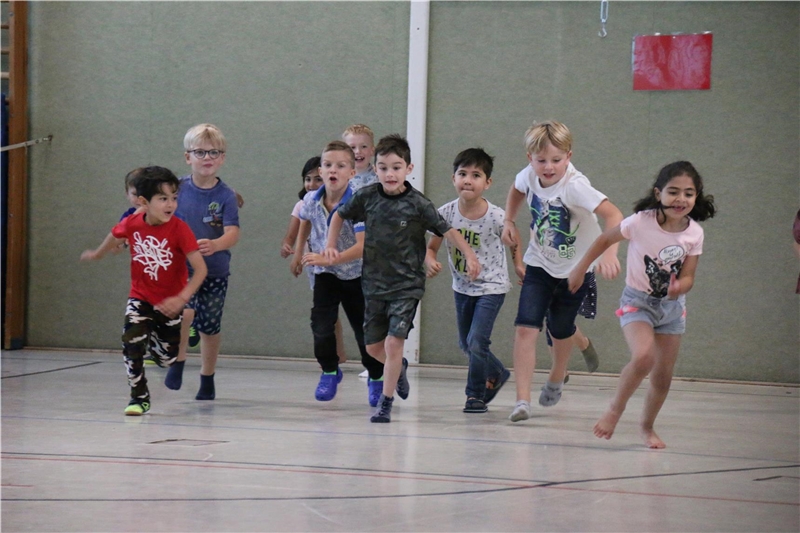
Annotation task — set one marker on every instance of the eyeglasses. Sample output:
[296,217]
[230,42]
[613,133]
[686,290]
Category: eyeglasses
[201,154]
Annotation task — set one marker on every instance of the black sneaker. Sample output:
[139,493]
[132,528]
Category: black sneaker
[475,405]
[194,337]
[384,413]
[403,386]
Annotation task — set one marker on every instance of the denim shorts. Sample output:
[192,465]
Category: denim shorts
[668,317]
[388,317]
[207,303]
[543,296]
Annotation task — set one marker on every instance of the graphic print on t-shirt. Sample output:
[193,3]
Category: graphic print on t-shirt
[152,253]
[550,224]
[658,271]
[214,216]
[473,238]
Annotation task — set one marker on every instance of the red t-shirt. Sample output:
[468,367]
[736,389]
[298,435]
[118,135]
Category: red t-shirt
[158,256]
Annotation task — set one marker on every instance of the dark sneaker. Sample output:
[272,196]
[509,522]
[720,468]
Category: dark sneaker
[566,378]
[384,413]
[137,407]
[326,388]
[148,360]
[493,386]
[591,358]
[403,386]
[194,337]
[374,390]
[475,405]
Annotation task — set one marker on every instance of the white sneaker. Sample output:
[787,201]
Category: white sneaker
[364,374]
[522,411]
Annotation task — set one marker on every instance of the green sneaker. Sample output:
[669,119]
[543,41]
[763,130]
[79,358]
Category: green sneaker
[137,407]
[194,337]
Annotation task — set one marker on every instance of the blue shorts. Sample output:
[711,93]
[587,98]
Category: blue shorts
[207,303]
[668,317]
[388,317]
[543,296]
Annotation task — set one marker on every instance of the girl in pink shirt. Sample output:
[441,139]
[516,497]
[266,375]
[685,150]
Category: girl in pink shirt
[665,243]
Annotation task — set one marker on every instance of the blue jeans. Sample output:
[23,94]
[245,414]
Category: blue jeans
[475,316]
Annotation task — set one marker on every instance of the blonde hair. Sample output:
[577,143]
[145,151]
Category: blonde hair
[205,133]
[539,135]
[359,129]
[340,146]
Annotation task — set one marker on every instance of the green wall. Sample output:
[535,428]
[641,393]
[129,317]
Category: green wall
[118,84]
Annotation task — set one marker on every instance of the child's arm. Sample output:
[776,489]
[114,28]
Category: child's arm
[228,240]
[432,265]
[516,257]
[608,266]
[303,231]
[510,234]
[108,245]
[290,238]
[334,229]
[608,238]
[174,305]
[473,266]
[351,254]
[685,281]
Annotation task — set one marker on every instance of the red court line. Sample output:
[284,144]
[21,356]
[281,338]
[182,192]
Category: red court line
[520,485]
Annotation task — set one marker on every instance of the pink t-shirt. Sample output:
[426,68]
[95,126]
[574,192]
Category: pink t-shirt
[653,253]
[297,207]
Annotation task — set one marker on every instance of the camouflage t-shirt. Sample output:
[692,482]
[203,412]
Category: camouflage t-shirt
[394,239]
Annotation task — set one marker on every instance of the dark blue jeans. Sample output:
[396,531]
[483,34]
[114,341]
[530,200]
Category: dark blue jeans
[475,316]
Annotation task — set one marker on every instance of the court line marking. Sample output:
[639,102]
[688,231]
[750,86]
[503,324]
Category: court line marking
[507,486]
[51,370]
[640,449]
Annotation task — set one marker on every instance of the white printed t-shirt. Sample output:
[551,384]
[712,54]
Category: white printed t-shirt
[654,253]
[483,235]
[564,225]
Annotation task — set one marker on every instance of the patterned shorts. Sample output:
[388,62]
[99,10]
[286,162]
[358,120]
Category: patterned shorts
[207,303]
[388,317]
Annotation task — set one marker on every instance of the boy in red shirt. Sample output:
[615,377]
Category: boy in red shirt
[160,245]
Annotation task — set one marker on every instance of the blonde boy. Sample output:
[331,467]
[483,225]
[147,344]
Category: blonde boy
[210,208]
[563,206]
[361,140]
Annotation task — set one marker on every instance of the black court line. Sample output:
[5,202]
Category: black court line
[52,370]
[530,484]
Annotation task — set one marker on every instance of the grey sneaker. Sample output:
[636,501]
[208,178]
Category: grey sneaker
[522,411]
[384,413]
[403,386]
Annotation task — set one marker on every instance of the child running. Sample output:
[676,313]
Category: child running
[361,140]
[478,301]
[336,281]
[664,246]
[563,204]
[397,218]
[160,246]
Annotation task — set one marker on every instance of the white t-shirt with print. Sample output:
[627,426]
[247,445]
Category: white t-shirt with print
[564,225]
[654,253]
[483,235]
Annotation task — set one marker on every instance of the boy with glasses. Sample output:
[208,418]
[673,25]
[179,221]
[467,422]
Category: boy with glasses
[210,209]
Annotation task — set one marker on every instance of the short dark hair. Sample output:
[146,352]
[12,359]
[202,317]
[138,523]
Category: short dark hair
[150,180]
[394,144]
[310,165]
[474,157]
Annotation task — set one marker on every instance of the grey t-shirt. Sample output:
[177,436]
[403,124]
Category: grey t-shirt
[394,239]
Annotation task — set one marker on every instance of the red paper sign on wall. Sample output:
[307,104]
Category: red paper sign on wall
[672,62]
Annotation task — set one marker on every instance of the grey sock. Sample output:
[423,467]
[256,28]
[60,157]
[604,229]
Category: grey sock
[551,394]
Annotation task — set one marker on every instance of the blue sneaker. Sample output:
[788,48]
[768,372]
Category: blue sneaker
[403,386]
[326,389]
[375,389]
[493,386]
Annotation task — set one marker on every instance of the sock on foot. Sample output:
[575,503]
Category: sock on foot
[551,394]
[174,378]
[206,391]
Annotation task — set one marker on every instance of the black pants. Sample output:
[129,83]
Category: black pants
[329,292]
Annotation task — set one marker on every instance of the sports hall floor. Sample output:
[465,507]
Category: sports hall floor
[265,456]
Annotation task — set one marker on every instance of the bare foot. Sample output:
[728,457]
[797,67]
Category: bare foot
[604,427]
[651,440]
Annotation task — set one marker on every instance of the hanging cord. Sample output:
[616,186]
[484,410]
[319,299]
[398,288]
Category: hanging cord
[603,18]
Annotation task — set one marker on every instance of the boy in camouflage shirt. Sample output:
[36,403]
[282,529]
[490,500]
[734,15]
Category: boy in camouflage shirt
[396,218]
